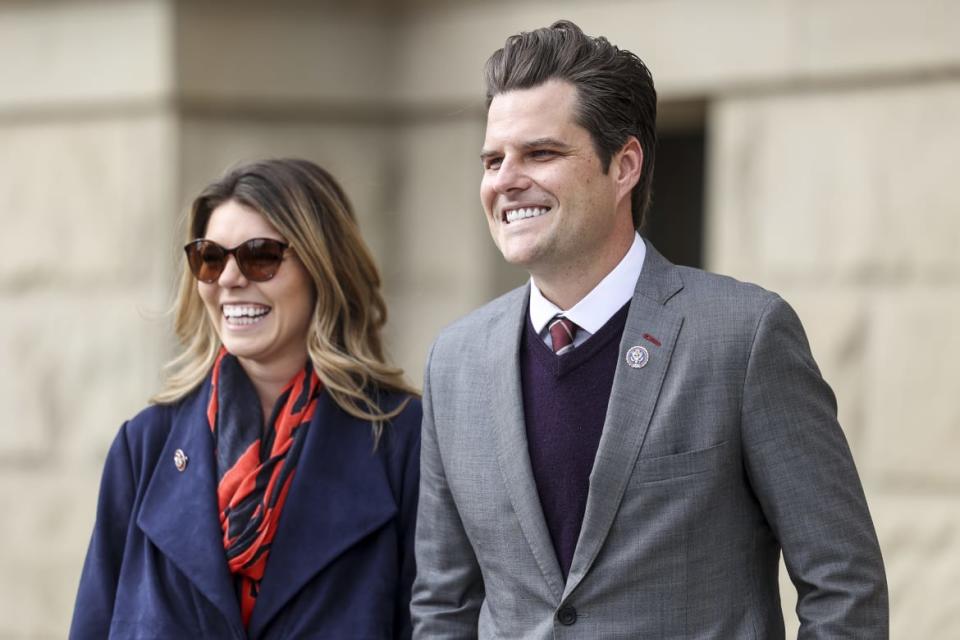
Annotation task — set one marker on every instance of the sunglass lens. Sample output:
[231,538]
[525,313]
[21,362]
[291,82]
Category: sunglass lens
[260,258]
[206,260]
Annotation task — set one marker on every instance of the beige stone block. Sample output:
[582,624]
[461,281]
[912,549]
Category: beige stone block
[921,549]
[43,540]
[418,312]
[86,202]
[76,53]
[913,364]
[359,157]
[449,262]
[441,220]
[79,364]
[417,316]
[875,37]
[692,46]
[293,53]
[842,185]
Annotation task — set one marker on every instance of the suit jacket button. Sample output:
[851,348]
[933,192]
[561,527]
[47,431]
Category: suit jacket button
[567,615]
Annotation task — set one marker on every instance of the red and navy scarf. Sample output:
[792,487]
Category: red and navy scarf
[255,464]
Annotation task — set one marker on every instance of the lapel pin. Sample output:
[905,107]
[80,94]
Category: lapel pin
[649,338]
[180,460]
[637,357]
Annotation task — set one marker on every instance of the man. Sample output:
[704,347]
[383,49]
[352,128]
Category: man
[623,447]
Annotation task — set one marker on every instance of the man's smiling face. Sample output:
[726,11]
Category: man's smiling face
[549,204]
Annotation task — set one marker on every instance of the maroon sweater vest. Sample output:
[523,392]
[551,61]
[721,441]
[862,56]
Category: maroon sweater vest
[565,402]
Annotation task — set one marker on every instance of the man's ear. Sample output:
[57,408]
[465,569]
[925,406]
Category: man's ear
[627,165]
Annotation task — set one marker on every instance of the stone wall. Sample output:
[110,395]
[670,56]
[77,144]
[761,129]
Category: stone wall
[830,132]
[87,166]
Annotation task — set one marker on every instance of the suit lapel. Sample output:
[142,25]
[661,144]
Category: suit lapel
[340,494]
[632,400]
[179,510]
[512,453]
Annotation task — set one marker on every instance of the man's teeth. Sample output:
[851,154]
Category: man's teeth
[526,212]
[244,314]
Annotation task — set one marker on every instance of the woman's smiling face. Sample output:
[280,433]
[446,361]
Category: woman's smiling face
[259,322]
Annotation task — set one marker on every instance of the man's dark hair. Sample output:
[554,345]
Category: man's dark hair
[615,94]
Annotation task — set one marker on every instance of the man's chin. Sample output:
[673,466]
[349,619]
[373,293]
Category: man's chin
[520,254]
[521,259]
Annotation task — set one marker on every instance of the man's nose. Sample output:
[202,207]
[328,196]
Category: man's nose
[511,176]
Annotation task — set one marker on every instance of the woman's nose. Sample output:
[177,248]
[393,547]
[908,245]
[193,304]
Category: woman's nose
[231,276]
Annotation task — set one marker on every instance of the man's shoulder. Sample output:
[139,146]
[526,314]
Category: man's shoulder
[694,289]
[721,304]
[480,321]
[705,286]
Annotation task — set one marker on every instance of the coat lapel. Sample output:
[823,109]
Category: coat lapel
[512,453]
[179,509]
[340,494]
[632,400]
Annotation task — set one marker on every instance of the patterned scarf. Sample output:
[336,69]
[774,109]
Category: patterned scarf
[255,465]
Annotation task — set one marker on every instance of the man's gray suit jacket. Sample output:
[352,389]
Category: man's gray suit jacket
[723,450]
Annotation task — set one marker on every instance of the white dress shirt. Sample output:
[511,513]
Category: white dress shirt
[598,306]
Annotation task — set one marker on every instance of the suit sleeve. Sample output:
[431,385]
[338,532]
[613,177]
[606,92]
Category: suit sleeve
[803,474]
[448,591]
[93,611]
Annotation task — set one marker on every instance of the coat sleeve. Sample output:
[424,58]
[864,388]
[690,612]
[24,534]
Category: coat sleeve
[803,474]
[448,591]
[93,611]
[410,465]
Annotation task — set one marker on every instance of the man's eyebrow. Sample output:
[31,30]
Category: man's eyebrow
[537,143]
[546,142]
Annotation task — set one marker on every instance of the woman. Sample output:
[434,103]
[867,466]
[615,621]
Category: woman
[270,491]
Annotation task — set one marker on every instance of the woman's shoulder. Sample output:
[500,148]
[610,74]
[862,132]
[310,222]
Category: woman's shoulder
[399,442]
[151,426]
[152,415]
[402,430]
[410,408]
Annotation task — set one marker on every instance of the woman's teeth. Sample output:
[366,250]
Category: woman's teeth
[244,313]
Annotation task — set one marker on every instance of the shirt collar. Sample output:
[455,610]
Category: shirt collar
[604,300]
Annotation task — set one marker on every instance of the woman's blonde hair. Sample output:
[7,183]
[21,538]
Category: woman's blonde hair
[311,211]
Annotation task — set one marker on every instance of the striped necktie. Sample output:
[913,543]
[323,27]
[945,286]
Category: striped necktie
[562,332]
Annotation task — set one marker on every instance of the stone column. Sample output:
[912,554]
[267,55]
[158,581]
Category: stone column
[87,159]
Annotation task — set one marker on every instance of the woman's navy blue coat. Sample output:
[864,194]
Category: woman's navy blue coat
[341,565]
